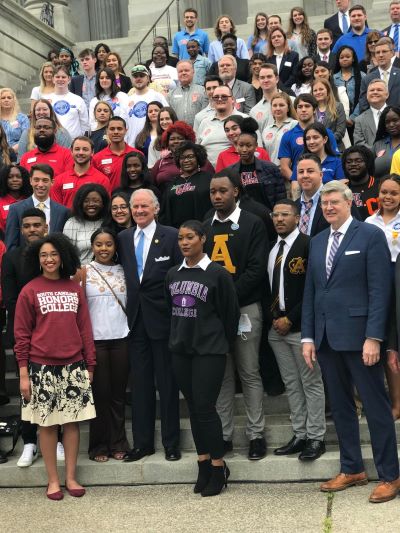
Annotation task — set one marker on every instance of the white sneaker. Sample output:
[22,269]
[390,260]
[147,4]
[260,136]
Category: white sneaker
[60,452]
[28,456]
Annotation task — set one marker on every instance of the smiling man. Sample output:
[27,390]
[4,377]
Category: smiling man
[146,253]
[187,98]
[190,18]
[357,35]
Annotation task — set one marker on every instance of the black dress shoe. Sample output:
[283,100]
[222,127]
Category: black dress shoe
[138,453]
[218,480]
[295,445]
[228,446]
[173,454]
[313,450]
[257,449]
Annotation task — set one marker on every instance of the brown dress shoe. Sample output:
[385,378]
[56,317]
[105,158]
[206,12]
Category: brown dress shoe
[385,491]
[344,481]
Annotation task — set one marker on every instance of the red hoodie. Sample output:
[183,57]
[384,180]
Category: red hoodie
[52,324]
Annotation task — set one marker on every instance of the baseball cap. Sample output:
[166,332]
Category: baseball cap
[139,68]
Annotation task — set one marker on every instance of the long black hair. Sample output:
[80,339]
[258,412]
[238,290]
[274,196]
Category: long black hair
[299,77]
[26,189]
[109,222]
[381,132]
[114,87]
[320,128]
[356,72]
[143,176]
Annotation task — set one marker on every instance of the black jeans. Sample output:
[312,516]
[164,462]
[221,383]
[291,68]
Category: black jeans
[200,379]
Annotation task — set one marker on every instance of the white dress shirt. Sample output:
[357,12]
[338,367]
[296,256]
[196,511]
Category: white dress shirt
[203,263]
[346,14]
[391,230]
[148,237]
[278,60]
[233,217]
[376,113]
[343,229]
[289,240]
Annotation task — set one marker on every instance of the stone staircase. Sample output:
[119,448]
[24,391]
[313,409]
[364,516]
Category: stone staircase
[156,470]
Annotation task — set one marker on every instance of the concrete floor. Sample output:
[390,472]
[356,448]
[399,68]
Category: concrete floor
[272,508]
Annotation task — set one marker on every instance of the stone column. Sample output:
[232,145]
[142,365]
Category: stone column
[63,20]
[104,19]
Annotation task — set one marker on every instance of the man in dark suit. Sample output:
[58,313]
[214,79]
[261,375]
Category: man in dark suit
[339,23]
[41,179]
[393,30]
[147,252]
[344,318]
[324,43]
[84,85]
[245,97]
[287,266]
[384,54]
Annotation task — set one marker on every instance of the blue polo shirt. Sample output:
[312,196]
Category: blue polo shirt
[357,42]
[182,37]
[331,169]
[292,144]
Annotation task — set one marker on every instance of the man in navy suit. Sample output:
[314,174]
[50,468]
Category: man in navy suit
[41,179]
[344,317]
[147,252]
[84,85]
[393,30]
[339,23]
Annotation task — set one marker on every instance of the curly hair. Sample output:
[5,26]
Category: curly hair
[381,131]
[180,127]
[319,128]
[218,32]
[80,196]
[25,190]
[367,155]
[114,89]
[305,31]
[69,256]
[199,151]
[146,131]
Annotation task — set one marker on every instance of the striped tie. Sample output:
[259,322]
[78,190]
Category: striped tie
[396,37]
[276,277]
[332,252]
[305,217]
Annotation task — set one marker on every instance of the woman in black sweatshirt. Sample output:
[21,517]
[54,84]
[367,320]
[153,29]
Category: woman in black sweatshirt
[204,323]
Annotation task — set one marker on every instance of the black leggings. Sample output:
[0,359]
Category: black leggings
[200,379]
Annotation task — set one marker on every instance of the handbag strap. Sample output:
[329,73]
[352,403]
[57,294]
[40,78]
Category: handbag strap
[111,289]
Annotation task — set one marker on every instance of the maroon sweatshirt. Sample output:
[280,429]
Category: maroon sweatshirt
[52,324]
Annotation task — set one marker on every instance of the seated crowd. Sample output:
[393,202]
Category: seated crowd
[168,226]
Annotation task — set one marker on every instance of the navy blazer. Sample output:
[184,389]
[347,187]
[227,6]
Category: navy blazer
[148,296]
[287,67]
[393,86]
[76,84]
[59,215]
[332,23]
[354,302]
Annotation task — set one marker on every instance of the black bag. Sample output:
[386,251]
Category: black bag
[10,426]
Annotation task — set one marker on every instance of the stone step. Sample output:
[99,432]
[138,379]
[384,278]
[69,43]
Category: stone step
[278,431]
[155,469]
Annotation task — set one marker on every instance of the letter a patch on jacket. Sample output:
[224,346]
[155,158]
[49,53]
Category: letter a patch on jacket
[220,253]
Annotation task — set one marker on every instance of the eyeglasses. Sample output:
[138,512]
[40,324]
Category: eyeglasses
[122,207]
[373,42]
[222,97]
[51,255]
[189,157]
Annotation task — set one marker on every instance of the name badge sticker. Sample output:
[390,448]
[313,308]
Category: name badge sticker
[106,161]
[31,160]
[68,186]
[288,64]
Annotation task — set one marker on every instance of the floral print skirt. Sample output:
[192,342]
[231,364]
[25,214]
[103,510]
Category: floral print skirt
[60,394]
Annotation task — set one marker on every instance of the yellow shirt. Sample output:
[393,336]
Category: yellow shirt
[395,168]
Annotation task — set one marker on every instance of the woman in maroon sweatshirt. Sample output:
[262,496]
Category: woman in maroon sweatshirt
[56,356]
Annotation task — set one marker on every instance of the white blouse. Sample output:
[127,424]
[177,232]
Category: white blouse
[108,318]
[391,230]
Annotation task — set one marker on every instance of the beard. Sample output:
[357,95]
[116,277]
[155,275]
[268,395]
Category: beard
[44,143]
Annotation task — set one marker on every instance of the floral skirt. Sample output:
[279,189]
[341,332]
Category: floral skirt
[60,394]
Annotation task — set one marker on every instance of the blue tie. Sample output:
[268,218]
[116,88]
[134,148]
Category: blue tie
[139,253]
[396,37]
[344,22]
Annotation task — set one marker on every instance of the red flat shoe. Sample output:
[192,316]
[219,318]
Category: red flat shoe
[76,493]
[55,496]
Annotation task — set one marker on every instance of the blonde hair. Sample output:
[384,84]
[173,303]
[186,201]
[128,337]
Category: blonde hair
[288,100]
[42,81]
[16,108]
[330,100]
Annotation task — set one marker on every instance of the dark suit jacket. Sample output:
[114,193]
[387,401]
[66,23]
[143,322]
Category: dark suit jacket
[394,88]
[126,83]
[294,277]
[59,215]
[319,222]
[353,304]
[331,60]
[332,23]
[394,326]
[148,297]
[243,69]
[286,70]
[76,84]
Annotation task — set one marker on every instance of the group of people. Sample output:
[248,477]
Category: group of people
[173,224]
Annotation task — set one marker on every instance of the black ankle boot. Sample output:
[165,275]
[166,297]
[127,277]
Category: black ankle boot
[204,475]
[218,480]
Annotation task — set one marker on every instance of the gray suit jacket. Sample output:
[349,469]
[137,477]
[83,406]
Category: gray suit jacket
[244,95]
[394,88]
[365,129]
